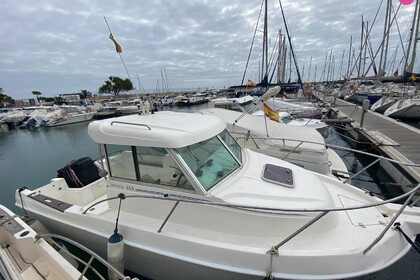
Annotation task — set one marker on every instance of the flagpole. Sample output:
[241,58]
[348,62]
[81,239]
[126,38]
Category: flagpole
[122,60]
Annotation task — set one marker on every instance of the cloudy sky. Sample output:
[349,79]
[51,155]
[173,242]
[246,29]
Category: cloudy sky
[61,46]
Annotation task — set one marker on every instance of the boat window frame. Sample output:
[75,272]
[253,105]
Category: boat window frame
[196,190]
[194,178]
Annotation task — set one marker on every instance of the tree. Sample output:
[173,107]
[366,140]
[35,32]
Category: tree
[84,94]
[4,99]
[37,93]
[116,85]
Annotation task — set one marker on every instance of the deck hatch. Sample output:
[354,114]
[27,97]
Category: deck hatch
[278,175]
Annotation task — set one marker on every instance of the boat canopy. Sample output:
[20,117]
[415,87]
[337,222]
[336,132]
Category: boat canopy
[162,129]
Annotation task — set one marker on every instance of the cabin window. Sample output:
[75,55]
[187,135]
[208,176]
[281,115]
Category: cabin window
[157,166]
[149,165]
[121,163]
[231,144]
[209,160]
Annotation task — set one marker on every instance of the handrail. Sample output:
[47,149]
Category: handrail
[274,249]
[138,124]
[93,255]
[337,147]
[270,210]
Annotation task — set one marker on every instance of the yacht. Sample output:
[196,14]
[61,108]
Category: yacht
[190,203]
[68,114]
[300,145]
[240,104]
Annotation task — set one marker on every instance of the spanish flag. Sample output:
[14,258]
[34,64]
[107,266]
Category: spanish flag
[271,114]
[251,84]
[117,46]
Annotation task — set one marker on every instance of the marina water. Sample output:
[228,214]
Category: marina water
[32,157]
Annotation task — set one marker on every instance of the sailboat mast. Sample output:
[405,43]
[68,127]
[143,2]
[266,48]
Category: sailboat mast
[382,60]
[279,59]
[409,66]
[361,48]
[264,67]
[349,61]
[290,44]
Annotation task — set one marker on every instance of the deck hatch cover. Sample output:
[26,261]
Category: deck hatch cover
[278,175]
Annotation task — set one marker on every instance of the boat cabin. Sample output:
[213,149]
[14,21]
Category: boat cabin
[155,150]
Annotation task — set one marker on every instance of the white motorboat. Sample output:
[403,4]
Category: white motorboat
[29,255]
[68,114]
[383,104]
[301,145]
[128,107]
[286,118]
[240,104]
[247,104]
[405,108]
[192,204]
[14,117]
[295,109]
[24,256]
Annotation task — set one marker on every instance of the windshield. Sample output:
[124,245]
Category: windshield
[210,160]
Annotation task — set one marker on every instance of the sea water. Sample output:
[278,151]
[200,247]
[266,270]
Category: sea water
[30,158]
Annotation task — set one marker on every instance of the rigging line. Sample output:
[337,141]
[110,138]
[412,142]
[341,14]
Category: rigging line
[383,39]
[235,57]
[272,55]
[290,45]
[367,36]
[252,43]
[401,40]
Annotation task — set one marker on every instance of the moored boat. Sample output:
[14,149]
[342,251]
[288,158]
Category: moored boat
[25,256]
[68,114]
[195,205]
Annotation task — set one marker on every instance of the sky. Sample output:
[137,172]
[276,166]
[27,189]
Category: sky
[61,46]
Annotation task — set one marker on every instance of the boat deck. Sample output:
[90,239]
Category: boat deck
[398,140]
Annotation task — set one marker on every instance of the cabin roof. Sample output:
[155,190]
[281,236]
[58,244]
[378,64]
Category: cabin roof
[163,129]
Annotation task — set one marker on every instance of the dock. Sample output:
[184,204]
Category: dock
[394,139]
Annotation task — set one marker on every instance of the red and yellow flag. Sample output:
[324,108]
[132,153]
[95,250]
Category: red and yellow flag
[251,84]
[271,114]
[117,46]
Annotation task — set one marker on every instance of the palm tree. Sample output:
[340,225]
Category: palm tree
[37,93]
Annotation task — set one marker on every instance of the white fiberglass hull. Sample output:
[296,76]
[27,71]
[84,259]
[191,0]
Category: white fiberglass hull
[71,119]
[404,109]
[213,242]
[383,104]
[23,256]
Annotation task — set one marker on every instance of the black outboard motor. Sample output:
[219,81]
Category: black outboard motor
[79,173]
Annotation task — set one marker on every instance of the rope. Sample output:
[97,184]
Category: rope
[415,245]
[31,264]
[21,201]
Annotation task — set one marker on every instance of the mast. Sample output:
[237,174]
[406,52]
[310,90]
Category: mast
[409,63]
[283,59]
[290,45]
[365,46]
[264,67]
[279,62]
[384,49]
[361,48]
[349,61]
[310,66]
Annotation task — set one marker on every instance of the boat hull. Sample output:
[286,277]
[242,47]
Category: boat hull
[172,253]
[73,119]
